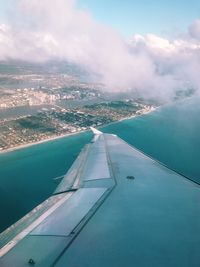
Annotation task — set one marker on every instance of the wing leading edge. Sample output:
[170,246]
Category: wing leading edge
[114,207]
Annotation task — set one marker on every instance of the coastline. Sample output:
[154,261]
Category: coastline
[15,148]
[11,149]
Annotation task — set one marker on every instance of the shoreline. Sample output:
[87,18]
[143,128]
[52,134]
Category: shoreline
[15,148]
[11,149]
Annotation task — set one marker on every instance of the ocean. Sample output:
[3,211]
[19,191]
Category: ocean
[171,134]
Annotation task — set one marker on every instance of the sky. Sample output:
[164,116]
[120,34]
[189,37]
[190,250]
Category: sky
[150,46]
[132,16]
[144,16]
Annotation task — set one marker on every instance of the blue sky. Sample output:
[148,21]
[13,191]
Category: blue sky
[163,17]
[137,16]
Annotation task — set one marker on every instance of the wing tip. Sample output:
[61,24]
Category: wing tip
[95,131]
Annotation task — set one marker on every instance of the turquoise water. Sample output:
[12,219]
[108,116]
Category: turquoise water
[171,135]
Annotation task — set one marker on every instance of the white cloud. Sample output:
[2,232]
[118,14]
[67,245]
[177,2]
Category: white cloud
[50,29]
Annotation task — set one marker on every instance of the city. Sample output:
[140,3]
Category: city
[40,107]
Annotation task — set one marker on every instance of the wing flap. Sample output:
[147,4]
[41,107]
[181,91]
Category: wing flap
[64,219]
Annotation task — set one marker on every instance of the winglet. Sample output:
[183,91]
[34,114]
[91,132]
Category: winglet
[95,131]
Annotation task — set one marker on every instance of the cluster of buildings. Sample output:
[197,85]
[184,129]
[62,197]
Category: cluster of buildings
[26,97]
[54,122]
[30,90]
[34,97]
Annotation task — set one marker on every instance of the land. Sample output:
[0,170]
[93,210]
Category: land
[42,105]
[55,122]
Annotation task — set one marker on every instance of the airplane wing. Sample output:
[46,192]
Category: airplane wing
[115,207]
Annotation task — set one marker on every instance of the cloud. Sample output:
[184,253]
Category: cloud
[194,30]
[151,65]
[177,58]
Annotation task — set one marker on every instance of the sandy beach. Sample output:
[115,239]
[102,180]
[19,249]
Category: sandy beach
[39,142]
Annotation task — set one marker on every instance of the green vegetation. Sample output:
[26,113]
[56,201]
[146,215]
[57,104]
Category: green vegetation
[37,123]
